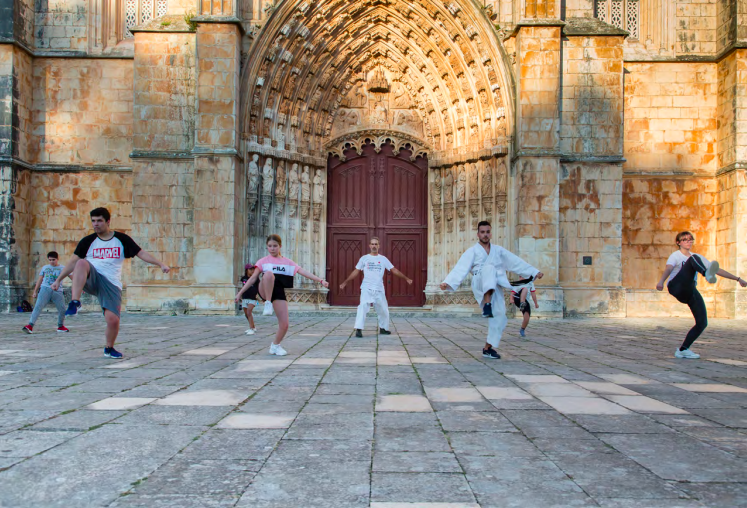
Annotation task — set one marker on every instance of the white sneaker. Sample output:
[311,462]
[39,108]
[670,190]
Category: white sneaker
[268,309]
[277,349]
[250,331]
[686,354]
[710,274]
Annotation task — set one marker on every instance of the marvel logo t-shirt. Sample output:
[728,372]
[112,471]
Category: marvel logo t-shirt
[373,271]
[107,256]
[283,268]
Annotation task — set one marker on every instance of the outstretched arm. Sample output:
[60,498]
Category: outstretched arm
[313,277]
[514,263]
[460,271]
[352,276]
[148,258]
[402,276]
[726,275]
[69,267]
[665,276]
[248,284]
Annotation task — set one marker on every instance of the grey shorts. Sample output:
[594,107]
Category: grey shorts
[109,295]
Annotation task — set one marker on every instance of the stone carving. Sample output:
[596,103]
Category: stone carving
[253,175]
[377,137]
[448,185]
[473,175]
[474,200]
[267,177]
[379,115]
[401,99]
[305,198]
[461,184]
[436,189]
[487,189]
[318,187]
[502,177]
[279,195]
[293,189]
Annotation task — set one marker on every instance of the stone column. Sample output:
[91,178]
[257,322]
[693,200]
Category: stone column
[731,209]
[15,173]
[537,156]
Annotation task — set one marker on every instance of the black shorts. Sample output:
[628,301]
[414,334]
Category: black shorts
[517,302]
[278,293]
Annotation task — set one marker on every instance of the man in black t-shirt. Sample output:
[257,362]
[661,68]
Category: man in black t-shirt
[97,269]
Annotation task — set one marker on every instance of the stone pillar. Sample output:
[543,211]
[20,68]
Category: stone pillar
[15,174]
[590,186]
[731,209]
[536,165]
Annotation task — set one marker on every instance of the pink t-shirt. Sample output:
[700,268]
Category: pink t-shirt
[283,268]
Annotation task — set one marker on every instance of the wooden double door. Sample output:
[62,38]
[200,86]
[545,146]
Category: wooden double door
[384,195]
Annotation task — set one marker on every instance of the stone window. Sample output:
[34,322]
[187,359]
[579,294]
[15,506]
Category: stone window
[623,14]
[138,12]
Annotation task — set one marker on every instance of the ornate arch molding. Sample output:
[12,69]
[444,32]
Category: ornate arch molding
[447,53]
[378,138]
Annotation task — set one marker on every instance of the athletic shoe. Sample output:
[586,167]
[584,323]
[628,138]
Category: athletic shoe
[686,354]
[72,308]
[522,333]
[358,333]
[250,331]
[62,328]
[110,352]
[710,274]
[384,332]
[487,310]
[28,328]
[491,353]
[524,306]
[277,349]
[268,309]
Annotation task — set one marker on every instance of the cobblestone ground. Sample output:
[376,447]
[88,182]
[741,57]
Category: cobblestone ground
[580,413]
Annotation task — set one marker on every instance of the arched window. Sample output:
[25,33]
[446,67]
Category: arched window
[623,14]
[138,12]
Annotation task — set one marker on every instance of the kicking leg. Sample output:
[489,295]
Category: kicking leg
[80,275]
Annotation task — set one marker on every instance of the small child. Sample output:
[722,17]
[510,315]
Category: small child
[250,301]
[519,290]
[44,293]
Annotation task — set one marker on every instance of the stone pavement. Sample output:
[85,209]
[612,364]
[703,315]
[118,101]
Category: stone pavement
[580,413]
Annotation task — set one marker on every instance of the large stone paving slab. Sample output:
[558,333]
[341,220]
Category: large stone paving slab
[581,413]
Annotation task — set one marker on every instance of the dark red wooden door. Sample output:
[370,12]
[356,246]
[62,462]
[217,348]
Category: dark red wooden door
[378,194]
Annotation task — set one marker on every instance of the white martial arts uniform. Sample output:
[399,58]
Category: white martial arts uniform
[372,290]
[489,272]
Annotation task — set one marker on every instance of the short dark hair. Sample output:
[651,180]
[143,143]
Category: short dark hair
[101,212]
[683,234]
[483,223]
[53,254]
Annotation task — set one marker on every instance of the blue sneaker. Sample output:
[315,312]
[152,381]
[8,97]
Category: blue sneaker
[487,310]
[110,352]
[521,332]
[72,308]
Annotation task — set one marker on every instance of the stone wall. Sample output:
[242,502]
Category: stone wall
[655,209]
[60,203]
[61,25]
[671,117]
[696,27]
[82,111]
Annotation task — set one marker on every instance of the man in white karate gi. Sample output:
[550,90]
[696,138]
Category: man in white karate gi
[488,264]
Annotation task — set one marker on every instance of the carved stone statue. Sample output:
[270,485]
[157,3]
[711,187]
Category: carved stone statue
[473,181]
[305,186]
[487,180]
[461,184]
[293,182]
[436,189]
[318,187]
[379,114]
[280,179]
[267,177]
[502,176]
[448,185]
[253,174]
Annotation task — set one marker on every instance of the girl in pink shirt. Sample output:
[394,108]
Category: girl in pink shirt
[277,275]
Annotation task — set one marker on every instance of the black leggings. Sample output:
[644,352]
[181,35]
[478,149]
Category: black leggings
[683,288]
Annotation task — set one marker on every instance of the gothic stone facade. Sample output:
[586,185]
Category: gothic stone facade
[587,131]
